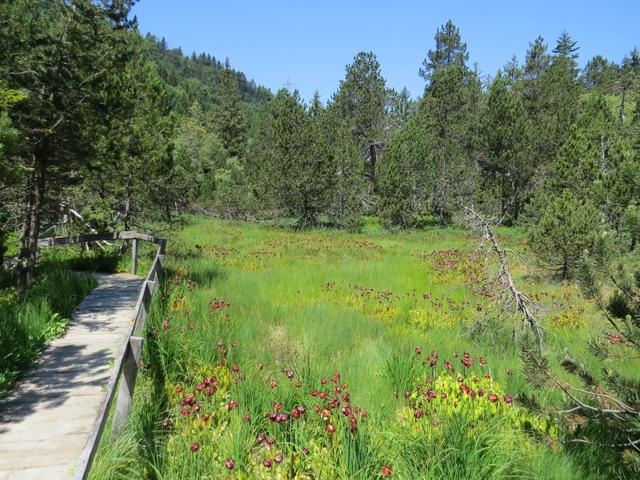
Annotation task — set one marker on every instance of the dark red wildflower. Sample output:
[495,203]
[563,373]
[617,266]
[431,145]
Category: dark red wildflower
[195,446]
[229,463]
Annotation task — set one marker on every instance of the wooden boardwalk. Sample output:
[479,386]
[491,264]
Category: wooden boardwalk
[45,421]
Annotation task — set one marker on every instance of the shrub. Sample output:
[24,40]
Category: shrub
[567,227]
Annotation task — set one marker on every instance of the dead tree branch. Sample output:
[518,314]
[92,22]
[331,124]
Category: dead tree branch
[511,296]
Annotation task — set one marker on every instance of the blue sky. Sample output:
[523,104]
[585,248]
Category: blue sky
[306,44]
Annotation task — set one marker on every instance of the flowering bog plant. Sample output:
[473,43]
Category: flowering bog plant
[469,391]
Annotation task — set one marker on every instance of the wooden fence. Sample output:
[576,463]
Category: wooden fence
[127,364]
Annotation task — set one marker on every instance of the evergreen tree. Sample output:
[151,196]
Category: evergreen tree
[68,53]
[346,177]
[566,46]
[316,108]
[550,93]
[132,165]
[450,50]
[449,115]
[198,153]
[230,118]
[537,59]
[567,228]
[293,165]
[505,165]
[401,106]
[589,153]
[403,177]
[360,101]
[599,74]
[232,197]
[629,80]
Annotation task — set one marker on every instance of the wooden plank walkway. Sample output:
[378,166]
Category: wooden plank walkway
[46,419]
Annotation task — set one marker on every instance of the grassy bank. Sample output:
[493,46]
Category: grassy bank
[322,354]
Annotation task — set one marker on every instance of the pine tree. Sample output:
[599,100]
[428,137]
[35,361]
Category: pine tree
[316,108]
[449,115]
[505,165]
[70,52]
[567,228]
[346,178]
[537,59]
[404,176]
[588,154]
[550,92]
[401,106]
[230,118]
[198,153]
[566,46]
[450,50]
[292,162]
[599,74]
[360,101]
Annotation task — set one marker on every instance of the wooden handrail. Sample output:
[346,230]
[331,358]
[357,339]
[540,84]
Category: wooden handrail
[127,364]
[96,237]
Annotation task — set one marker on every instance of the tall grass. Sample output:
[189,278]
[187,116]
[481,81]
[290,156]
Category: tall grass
[300,306]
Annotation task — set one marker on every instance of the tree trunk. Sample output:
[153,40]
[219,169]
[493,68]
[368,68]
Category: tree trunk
[622,107]
[373,159]
[565,268]
[31,226]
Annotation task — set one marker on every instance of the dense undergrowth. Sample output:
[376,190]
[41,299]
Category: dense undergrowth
[273,353]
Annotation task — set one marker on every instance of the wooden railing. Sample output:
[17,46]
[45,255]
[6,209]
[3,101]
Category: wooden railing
[127,364]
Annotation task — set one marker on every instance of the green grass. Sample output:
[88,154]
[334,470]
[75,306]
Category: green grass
[319,302]
[28,324]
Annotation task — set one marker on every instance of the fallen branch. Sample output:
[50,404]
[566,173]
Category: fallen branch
[518,300]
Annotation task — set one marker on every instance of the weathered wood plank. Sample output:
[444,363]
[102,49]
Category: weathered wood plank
[97,237]
[127,385]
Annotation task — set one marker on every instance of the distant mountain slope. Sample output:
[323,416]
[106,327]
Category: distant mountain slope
[198,75]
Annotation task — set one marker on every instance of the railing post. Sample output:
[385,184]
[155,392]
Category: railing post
[134,256]
[127,385]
